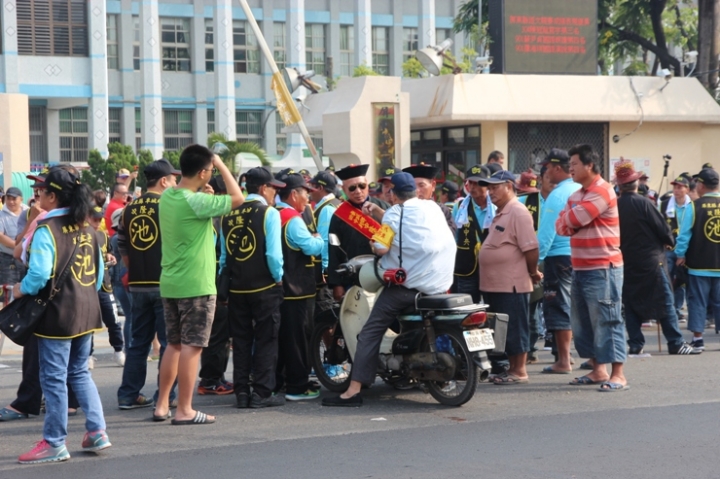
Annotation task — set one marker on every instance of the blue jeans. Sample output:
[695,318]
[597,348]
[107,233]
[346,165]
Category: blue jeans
[556,299]
[597,323]
[702,291]
[148,319]
[123,298]
[669,321]
[678,291]
[64,361]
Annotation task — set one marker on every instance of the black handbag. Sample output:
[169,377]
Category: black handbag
[19,319]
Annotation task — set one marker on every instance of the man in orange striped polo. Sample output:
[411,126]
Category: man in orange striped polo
[591,220]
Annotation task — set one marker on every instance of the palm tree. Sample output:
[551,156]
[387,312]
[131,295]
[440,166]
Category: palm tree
[228,149]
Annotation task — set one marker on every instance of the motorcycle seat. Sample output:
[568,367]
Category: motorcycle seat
[442,301]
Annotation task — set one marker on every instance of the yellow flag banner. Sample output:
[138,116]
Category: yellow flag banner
[285,103]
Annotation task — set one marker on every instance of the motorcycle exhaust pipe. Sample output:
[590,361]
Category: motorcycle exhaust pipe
[483,364]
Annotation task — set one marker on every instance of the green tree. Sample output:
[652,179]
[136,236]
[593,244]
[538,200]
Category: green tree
[233,148]
[412,68]
[101,173]
[364,71]
[145,157]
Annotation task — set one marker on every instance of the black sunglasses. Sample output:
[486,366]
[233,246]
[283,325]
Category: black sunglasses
[362,186]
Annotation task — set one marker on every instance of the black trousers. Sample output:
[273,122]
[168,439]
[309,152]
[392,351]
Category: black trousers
[29,393]
[254,323]
[115,334]
[214,358]
[293,361]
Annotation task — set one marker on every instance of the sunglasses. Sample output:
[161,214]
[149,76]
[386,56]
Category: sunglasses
[362,186]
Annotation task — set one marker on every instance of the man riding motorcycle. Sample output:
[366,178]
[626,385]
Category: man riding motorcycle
[418,250]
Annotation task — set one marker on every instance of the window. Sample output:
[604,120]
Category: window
[315,48]
[442,34]
[138,129]
[114,125]
[112,42]
[175,44]
[281,138]
[279,44]
[211,121]
[136,42]
[178,129]
[318,144]
[248,126]
[57,27]
[380,54]
[38,135]
[209,46]
[347,42]
[246,54]
[410,43]
[73,134]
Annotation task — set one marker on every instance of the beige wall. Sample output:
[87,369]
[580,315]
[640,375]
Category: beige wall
[14,135]
[493,136]
[687,143]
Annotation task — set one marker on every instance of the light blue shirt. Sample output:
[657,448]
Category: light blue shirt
[299,237]
[551,244]
[428,246]
[42,258]
[683,240]
[479,214]
[323,225]
[273,245]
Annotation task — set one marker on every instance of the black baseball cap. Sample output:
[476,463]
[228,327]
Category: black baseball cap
[14,192]
[477,173]
[502,176]
[324,179]
[160,169]
[682,180]
[39,177]
[708,177]
[261,176]
[449,187]
[557,156]
[387,173]
[97,212]
[494,167]
[217,184]
[58,180]
[295,180]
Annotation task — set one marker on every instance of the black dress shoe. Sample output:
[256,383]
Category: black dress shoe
[635,351]
[271,401]
[338,401]
[243,400]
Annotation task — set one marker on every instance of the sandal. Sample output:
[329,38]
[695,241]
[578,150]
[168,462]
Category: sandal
[7,414]
[584,381]
[608,387]
[509,380]
[200,418]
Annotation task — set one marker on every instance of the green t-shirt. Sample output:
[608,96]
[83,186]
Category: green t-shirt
[188,248]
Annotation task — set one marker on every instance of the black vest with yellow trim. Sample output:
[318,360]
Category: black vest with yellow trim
[216,224]
[319,278]
[245,248]
[672,222]
[532,203]
[75,310]
[704,250]
[469,240]
[141,221]
[298,268]
[104,242]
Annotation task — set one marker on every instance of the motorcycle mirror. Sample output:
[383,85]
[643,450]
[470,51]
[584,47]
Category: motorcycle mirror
[333,239]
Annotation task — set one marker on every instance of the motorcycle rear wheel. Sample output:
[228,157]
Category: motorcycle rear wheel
[461,388]
[335,377]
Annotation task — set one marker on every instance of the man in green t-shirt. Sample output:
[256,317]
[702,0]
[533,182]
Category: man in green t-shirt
[187,282]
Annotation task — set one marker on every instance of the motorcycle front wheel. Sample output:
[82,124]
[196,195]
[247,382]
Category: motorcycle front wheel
[330,357]
[461,388]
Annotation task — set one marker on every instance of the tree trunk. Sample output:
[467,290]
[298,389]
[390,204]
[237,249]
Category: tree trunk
[706,13]
[657,7]
[714,60]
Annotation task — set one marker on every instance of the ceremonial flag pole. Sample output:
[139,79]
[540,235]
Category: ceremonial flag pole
[285,103]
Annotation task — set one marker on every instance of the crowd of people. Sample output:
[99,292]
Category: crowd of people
[569,257]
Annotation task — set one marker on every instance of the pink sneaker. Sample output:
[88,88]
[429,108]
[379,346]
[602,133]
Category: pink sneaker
[44,452]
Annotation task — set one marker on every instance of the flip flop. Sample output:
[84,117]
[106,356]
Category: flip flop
[509,380]
[200,418]
[584,381]
[550,370]
[162,418]
[586,366]
[613,387]
[7,414]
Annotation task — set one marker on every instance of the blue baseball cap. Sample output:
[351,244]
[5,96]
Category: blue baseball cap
[402,182]
[502,176]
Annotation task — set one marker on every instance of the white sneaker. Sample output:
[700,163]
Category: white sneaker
[119,357]
[91,362]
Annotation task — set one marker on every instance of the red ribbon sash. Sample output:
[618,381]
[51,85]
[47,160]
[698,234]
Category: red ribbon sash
[361,223]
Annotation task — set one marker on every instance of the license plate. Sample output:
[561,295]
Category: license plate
[479,339]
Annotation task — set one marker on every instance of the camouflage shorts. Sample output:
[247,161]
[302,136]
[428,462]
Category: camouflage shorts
[189,320]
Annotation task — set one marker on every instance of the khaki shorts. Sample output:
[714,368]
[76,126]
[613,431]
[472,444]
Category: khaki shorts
[188,321]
